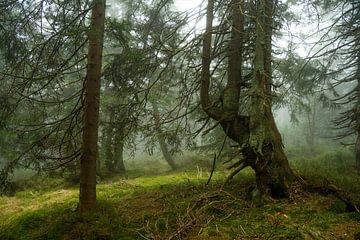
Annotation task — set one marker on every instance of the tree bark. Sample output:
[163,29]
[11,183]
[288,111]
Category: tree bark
[87,198]
[160,135]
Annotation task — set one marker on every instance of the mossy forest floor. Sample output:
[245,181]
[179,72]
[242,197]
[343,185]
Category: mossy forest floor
[175,205]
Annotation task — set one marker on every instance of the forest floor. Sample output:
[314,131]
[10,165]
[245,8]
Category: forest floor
[175,205]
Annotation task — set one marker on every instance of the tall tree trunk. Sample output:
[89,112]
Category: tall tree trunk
[87,198]
[160,135]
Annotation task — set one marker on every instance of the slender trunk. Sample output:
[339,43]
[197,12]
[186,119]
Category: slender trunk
[161,138]
[108,150]
[98,165]
[311,126]
[114,146]
[357,152]
[87,198]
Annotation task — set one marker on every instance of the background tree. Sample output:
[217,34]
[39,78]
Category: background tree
[338,47]
[305,90]
[45,82]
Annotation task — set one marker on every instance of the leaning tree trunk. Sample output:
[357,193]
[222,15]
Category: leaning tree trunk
[257,133]
[87,198]
[161,139]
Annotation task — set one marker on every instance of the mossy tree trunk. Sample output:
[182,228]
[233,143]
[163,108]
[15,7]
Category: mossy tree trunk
[87,198]
[256,133]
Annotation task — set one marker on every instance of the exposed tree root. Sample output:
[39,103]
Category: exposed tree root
[240,165]
[301,184]
[330,189]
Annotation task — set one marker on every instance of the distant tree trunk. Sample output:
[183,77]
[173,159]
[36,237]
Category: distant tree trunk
[108,140]
[257,133]
[87,198]
[357,152]
[161,138]
[311,115]
[114,144]
[98,165]
[118,147]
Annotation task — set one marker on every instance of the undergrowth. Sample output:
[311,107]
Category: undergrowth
[336,166]
[178,205]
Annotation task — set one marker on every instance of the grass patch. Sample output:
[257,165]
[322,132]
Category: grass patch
[163,204]
[173,206]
